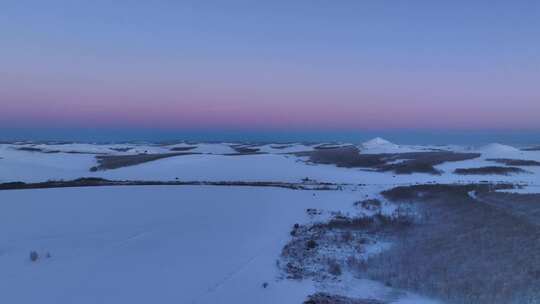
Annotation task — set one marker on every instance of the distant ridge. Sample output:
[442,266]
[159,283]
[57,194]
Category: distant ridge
[496,148]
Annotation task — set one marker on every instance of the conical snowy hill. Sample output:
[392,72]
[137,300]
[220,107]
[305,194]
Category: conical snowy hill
[380,145]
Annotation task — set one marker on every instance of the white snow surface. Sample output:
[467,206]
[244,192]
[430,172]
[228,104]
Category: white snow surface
[496,148]
[27,166]
[166,244]
[159,244]
[380,145]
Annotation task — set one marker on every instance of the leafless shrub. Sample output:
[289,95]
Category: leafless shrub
[34,256]
[353,262]
[325,298]
[369,204]
[334,268]
[347,236]
[311,244]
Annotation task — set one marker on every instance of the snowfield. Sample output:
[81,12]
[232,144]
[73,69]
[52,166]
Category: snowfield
[195,244]
[216,165]
[154,244]
[149,244]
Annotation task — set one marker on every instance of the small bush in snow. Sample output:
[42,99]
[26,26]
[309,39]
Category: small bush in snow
[34,256]
[311,244]
[347,236]
[369,204]
[334,268]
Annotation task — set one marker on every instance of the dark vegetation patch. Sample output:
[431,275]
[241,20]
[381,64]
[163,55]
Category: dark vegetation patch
[515,162]
[250,149]
[34,256]
[535,148]
[280,147]
[106,162]
[41,142]
[467,249]
[330,147]
[30,149]
[122,149]
[80,152]
[241,154]
[369,204]
[183,148]
[39,150]
[524,206]
[325,298]
[344,157]
[429,191]
[324,250]
[400,163]
[423,162]
[34,149]
[371,224]
[80,182]
[489,170]
[95,181]
[245,150]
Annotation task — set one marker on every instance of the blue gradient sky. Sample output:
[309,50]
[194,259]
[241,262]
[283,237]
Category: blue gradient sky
[268,66]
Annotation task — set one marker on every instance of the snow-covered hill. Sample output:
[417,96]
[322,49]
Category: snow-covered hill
[380,145]
[499,150]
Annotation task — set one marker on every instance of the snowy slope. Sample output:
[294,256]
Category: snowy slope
[496,150]
[499,151]
[285,148]
[18,165]
[380,145]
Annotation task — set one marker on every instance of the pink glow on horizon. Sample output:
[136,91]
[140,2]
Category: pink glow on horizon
[312,66]
[170,115]
[305,98]
[291,101]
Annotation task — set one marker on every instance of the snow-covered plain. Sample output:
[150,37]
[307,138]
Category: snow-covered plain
[214,164]
[187,244]
[150,244]
[158,244]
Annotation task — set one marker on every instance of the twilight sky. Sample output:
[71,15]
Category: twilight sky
[270,65]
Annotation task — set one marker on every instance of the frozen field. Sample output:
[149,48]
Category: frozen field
[200,244]
[150,244]
[157,244]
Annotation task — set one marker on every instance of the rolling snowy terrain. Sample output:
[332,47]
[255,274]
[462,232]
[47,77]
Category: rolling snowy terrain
[218,244]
